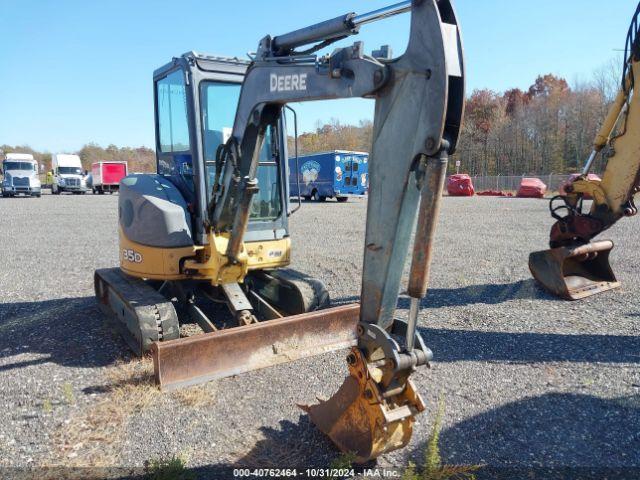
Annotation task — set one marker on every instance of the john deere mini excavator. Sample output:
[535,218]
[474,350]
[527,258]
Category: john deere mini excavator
[212,223]
[576,267]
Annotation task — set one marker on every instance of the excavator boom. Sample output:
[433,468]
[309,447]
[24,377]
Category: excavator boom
[419,107]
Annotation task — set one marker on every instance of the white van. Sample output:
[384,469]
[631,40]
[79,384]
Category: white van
[20,175]
[68,175]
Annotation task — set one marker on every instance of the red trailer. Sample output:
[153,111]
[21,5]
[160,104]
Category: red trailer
[532,188]
[460,185]
[106,176]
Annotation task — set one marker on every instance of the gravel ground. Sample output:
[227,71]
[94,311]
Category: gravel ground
[528,381]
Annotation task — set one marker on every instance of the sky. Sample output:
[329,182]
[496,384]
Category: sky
[73,72]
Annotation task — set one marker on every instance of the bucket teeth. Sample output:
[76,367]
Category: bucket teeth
[574,272]
[359,420]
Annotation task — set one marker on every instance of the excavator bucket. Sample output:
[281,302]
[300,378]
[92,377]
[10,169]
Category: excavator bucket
[223,353]
[360,420]
[575,273]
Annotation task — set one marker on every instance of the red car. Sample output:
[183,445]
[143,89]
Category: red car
[532,188]
[460,185]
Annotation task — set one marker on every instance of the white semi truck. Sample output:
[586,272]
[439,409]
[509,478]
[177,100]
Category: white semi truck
[20,175]
[68,175]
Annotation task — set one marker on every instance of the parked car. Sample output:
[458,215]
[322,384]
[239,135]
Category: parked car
[68,175]
[338,174]
[531,188]
[20,175]
[460,185]
[106,176]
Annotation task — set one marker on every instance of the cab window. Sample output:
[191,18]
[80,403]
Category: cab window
[266,204]
[173,126]
[219,102]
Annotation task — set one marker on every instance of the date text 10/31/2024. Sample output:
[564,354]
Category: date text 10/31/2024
[315,473]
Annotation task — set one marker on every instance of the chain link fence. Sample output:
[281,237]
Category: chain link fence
[510,183]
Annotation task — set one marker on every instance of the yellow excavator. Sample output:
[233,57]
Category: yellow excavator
[211,226]
[576,267]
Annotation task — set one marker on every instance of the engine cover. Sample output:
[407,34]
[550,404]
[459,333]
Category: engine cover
[153,212]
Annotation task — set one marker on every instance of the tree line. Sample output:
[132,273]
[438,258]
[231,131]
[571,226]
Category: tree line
[546,129]
[139,159]
[549,128]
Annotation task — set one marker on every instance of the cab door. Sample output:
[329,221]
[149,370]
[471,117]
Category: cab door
[173,136]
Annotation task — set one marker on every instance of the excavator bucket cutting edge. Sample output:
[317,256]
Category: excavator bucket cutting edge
[575,272]
[360,420]
[198,359]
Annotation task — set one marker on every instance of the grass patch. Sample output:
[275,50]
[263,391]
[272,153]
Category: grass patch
[343,462]
[67,393]
[433,469]
[173,468]
[198,396]
[47,407]
[91,438]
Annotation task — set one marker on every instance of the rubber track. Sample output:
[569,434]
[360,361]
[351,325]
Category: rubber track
[141,313]
[312,291]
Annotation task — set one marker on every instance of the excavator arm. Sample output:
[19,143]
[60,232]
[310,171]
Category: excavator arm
[419,106]
[576,267]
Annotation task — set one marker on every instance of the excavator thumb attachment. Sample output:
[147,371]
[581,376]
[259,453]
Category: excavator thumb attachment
[360,420]
[200,358]
[575,272]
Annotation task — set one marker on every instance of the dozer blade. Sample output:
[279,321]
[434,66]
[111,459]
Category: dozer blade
[574,273]
[360,420]
[198,359]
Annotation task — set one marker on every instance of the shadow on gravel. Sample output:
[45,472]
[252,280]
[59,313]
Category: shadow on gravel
[297,444]
[555,435]
[291,446]
[68,331]
[488,294]
[472,345]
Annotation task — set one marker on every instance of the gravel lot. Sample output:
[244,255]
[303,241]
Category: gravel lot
[528,381]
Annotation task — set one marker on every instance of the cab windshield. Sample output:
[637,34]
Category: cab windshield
[70,170]
[19,166]
[219,102]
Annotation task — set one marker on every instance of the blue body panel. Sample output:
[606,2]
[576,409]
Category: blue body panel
[331,174]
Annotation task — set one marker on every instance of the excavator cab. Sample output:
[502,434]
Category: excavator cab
[195,105]
[174,263]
